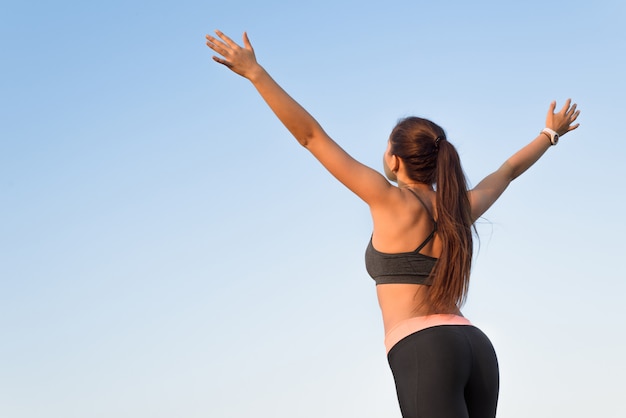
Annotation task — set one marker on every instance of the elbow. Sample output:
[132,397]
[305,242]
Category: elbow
[305,138]
[305,141]
[308,133]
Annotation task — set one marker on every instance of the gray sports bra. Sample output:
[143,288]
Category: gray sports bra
[409,268]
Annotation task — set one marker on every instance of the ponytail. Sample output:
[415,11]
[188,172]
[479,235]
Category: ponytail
[450,278]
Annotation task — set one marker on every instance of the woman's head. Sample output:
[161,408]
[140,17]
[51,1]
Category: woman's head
[429,158]
[416,142]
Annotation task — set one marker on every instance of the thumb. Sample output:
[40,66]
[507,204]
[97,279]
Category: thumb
[246,41]
[552,106]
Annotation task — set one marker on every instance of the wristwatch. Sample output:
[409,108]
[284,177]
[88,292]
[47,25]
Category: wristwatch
[553,135]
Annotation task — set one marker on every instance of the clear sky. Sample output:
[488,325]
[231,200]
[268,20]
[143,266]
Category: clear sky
[167,249]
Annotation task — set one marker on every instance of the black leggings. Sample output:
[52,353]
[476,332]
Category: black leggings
[446,371]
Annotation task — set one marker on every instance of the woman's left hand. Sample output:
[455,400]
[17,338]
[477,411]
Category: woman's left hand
[240,60]
[562,121]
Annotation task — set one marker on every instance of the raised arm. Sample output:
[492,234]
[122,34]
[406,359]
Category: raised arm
[367,183]
[492,186]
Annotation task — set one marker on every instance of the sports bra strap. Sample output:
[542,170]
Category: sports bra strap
[423,204]
[432,234]
[426,241]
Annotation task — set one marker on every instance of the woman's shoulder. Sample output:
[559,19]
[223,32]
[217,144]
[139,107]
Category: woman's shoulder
[403,207]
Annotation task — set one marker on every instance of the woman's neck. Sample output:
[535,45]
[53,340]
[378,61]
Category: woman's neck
[415,185]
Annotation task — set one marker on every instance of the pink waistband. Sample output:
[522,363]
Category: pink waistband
[412,325]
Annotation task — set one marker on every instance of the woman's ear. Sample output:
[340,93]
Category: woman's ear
[391,164]
[395,164]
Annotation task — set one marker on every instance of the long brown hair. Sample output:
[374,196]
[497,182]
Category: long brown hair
[430,158]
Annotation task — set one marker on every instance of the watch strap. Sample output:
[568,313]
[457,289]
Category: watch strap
[553,135]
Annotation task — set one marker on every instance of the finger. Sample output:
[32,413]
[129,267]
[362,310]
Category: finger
[571,128]
[215,48]
[566,106]
[216,41]
[226,39]
[218,47]
[222,61]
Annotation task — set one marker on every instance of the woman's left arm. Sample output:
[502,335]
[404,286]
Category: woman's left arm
[491,187]
[367,183]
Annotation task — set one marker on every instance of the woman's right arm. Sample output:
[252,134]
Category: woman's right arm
[367,183]
[491,187]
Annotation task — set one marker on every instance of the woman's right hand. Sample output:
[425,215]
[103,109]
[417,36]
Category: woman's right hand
[562,121]
[240,60]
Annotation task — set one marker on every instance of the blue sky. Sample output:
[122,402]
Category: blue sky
[166,249]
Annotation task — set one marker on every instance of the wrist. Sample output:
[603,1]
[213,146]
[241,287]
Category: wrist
[255,73]
[552,135]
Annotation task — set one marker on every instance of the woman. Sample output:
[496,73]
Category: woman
[421,248]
